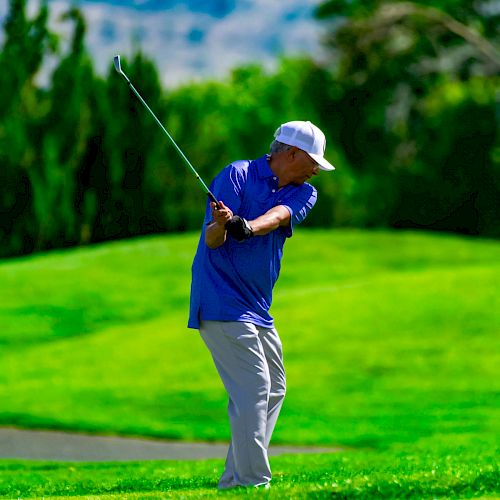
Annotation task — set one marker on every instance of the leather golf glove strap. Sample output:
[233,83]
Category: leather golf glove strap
[239,228]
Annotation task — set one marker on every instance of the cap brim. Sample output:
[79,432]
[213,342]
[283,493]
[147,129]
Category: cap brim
[323,163]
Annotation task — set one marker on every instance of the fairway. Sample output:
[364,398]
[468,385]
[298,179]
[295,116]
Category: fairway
[391,345]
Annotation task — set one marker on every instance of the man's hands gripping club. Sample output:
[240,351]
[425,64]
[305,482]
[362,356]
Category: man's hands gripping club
[239,228]
[225,222]
[222,215]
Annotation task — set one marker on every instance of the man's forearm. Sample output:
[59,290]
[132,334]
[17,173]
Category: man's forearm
[215,235]
[271,220]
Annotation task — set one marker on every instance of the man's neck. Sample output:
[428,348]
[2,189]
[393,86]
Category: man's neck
[279,170]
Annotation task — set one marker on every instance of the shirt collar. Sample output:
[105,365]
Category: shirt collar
[263,167]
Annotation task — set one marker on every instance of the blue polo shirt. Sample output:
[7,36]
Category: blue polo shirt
[234,282]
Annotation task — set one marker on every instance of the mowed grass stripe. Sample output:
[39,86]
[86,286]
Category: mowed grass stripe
[415,473]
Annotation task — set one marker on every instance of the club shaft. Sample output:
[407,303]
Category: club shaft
[179,150]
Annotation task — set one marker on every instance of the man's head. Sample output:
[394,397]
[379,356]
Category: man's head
[307,137]
[297,152]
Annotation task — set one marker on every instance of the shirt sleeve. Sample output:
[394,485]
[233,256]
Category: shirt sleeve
[228,187]
[299,204]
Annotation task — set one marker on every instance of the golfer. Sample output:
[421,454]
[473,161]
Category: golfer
[234,271]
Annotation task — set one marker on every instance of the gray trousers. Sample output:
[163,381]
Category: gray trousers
[249,360]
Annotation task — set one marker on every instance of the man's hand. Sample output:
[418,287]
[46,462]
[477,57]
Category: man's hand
[239,228]
[215,234]
[222,215]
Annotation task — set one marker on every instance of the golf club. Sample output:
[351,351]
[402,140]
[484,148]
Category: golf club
[118,68]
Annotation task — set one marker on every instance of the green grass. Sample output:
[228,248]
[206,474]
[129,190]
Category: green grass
[420,474]
[391,343]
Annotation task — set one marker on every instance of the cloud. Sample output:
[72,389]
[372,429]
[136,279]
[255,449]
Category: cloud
[188,45]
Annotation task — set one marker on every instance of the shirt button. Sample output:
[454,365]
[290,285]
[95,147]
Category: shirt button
[275,178]
[274,190]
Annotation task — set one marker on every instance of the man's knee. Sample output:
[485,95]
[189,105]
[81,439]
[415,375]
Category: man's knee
[249,397]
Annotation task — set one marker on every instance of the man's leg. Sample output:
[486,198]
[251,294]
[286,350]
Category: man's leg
[274,356]
[239,357]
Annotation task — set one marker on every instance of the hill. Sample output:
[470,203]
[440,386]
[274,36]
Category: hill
[389,338]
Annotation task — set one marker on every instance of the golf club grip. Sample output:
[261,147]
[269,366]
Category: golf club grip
[214,199]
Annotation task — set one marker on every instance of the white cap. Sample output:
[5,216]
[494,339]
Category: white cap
[305,136]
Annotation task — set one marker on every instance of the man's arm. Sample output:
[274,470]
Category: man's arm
[271,220]
[215,234]
[241,229]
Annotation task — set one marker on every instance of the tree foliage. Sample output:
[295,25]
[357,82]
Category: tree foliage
[419,110]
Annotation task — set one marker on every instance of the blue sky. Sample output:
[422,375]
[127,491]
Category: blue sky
[193,40]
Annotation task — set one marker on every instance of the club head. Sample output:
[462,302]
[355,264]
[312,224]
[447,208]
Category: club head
[118,65]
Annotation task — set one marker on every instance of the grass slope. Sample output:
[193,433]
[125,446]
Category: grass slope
[391,344]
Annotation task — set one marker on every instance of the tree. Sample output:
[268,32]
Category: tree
[130,147]
[392,59]
[26,43]
[64,132]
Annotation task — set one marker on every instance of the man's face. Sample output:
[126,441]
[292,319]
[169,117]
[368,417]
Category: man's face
[301,166]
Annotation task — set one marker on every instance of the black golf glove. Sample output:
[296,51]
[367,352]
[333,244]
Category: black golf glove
[239,228]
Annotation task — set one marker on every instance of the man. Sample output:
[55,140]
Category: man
[235,268]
